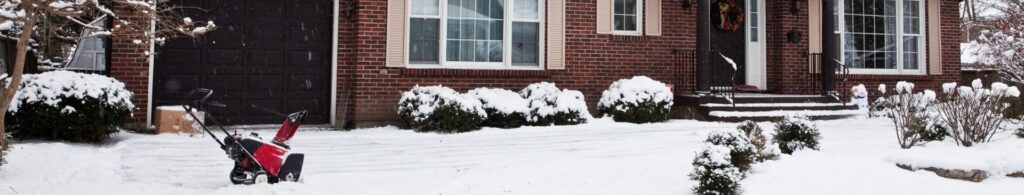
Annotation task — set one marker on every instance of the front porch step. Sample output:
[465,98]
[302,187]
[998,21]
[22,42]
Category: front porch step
[763,107]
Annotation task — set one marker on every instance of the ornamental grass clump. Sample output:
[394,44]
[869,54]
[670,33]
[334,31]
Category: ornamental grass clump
[637,100]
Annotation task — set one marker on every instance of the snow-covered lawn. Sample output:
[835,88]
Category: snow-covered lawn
[600,157]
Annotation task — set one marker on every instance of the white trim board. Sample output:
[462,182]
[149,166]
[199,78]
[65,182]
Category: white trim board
[334,65]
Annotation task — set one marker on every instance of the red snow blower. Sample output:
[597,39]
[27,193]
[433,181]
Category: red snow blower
[256,161]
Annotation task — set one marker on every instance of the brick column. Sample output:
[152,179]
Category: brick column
[129,63]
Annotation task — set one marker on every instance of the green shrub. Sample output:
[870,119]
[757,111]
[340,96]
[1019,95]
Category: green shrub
[637,100]
[68,106]
[550,106]
[796,133]
[714,172]
[741,152]
[505,109]
[439,109]
[1020,133]
[758,140]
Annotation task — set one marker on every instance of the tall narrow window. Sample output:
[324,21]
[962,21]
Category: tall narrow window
[424,31]
[752,5]
[489,34]
[880,36]
[526,33]
[627,17]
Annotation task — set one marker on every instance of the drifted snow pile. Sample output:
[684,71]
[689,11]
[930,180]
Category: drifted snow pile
[637,100]
[505,109]
[62,105]
[549,105]
[440,109]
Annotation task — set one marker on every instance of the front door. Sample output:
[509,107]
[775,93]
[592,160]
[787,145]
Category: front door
[755,50]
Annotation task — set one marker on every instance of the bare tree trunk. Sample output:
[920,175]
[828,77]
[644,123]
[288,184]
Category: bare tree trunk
[18,68]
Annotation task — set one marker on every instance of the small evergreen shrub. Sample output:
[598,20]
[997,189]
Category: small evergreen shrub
[550,106]
[439,109]
[796,133]
[714,172]
[758,140]
[1020,133]
[637,100]
[505,109]
[741,152]
[68,106]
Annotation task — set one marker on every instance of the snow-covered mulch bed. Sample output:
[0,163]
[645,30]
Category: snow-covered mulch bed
[1000,157]
[600,157]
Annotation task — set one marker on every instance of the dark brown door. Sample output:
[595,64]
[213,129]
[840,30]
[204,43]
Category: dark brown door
[272,53]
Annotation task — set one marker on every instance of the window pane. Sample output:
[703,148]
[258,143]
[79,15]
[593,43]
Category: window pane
[629,23]
[629,6]
[527,9]
[620,6]
[423,40]
[476,34]
[620,22]
[870,34]
[910,61]
[753,34]
[524,44]
[425,7]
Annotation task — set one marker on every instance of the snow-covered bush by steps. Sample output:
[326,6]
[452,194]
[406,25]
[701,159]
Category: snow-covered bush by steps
[910,114]
[796,132]
[973,114]
[742,152]
[637,100]
[758,140]
[440,109]
[505,109]
[549,105]
[714,172]
[69,106]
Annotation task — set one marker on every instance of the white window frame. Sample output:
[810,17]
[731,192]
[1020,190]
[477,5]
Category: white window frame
[639,20]
[507,19]
[899,70]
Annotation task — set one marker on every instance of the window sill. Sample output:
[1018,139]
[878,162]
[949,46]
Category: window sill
[475,72]
[868,72]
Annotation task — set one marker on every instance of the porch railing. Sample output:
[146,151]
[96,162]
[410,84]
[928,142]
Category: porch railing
[723,78]
[829,85]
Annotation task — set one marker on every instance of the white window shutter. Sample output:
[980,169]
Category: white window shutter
[556,35]
[395,50]
[652,17]
[935,37]
[604,16]
[814,37]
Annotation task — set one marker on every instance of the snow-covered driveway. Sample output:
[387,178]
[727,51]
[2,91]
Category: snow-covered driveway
[596,158]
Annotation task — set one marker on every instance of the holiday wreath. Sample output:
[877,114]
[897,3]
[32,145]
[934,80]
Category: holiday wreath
[729,17]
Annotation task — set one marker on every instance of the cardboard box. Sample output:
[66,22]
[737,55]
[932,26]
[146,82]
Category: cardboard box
[173,119]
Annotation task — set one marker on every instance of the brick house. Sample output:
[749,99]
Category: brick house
[348,61]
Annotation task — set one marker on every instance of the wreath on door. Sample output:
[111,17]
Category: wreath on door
[729,15]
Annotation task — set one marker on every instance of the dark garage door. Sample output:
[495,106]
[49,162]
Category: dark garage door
[272,53]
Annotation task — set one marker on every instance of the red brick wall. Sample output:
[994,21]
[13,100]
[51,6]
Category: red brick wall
[788,64]
[129,64]
[593,61]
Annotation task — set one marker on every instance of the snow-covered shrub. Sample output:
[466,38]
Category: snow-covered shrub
[909,112]
[550,106]
[68,106]
[973,114]
[742,153]
[714,172]
[637,100]
[758,140]
[505,109]
[439,109]
[1020,133]
[796,132]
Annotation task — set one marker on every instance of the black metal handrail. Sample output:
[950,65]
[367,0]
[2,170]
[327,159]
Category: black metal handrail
[818,80]
[720,86]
